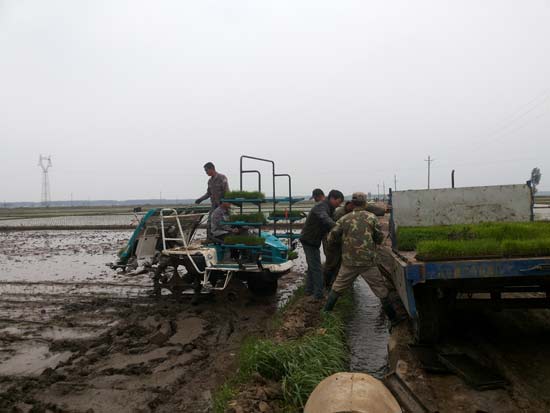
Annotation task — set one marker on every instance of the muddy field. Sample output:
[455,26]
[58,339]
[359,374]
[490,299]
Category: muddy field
[77,337]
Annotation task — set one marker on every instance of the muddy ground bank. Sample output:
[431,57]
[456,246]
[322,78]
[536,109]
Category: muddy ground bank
[512,343]
[127,355]
[78,337]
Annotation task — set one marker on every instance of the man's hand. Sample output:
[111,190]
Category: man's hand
[197,201]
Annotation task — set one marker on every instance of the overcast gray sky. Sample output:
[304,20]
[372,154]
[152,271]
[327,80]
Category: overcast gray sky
[131,97]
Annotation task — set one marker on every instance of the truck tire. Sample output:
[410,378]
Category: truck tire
[427,323]
[262,284]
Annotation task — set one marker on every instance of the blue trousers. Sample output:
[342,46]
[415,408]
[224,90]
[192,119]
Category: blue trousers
[314,275]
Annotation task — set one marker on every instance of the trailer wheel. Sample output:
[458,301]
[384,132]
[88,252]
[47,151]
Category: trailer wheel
[427,323]
[262,284]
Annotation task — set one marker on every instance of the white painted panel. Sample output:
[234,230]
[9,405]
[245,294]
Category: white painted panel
[504,203]
[146,247]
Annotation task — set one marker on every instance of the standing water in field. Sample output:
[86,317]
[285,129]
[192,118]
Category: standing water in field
[368,334]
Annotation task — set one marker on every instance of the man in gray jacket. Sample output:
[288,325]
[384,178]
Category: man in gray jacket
[217,187]
[318,223]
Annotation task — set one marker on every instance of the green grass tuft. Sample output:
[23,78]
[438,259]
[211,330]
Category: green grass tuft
[253,218]
[224,395]
[244,195]
[302,364]
[244,239]
[299,365]
[292,255]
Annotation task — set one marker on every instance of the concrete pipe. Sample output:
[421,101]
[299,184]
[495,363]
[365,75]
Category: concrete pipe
[351,393]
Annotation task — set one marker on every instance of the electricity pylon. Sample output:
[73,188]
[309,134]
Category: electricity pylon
[45,162]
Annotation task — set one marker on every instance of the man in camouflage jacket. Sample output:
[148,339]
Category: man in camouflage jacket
[217,186]
[333,252]
[359,233]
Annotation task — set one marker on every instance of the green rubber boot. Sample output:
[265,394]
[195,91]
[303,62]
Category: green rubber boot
[331,300]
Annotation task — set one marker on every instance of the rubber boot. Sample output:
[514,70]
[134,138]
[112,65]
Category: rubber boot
[331,300]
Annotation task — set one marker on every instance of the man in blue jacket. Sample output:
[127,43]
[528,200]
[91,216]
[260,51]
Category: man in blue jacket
[318,223]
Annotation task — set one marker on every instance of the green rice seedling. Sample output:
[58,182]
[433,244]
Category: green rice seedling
[292,255]
[444,250]
[526,248]
[244,195]
[512,230]
[409,237]
[252,218]
[244,240]
[279,213]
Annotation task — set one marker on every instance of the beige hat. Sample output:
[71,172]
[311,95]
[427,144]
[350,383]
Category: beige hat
[351,392]
[359,197]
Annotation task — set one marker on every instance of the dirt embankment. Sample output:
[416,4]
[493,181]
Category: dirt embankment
[513,343]
[260,394]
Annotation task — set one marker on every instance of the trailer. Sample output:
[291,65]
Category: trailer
[429,290]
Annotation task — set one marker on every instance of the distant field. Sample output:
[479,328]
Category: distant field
[99,217]
[542,200]
[27,213]
[52,212]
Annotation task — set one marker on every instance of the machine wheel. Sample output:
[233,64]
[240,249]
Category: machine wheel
[263,284]
[427,323]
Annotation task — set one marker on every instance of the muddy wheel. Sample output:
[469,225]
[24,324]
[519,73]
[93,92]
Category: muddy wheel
[264,284]
[427,323]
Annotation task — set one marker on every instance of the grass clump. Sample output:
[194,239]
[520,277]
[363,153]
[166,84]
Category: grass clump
[224,395]
[301,364]
[298,364]
[249,240]
[244,195]
[252,218]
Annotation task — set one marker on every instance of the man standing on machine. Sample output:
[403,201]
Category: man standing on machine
[217,187]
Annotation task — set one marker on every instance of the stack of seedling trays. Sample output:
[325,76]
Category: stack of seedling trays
[240,198]
[244,242]
[476,241]
[288,200]
[287,216]
[249,242]
[291,216]
[246,220]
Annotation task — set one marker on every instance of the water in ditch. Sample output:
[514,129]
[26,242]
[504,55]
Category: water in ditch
[368,333]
